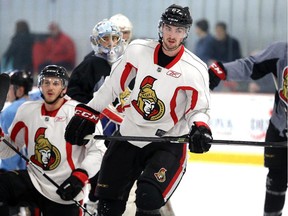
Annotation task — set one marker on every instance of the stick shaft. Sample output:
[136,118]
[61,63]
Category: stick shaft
[43,173]
[186,140]
[4,87]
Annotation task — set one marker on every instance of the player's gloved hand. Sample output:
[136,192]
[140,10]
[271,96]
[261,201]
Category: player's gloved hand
[82,123]
[217,72]
[73,185]
[199,138]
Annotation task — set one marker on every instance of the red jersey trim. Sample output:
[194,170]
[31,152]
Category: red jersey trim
[173,103]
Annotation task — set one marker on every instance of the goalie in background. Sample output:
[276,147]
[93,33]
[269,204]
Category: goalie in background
[271,60]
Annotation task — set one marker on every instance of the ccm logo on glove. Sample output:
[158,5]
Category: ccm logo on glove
[218,69]
[82,112]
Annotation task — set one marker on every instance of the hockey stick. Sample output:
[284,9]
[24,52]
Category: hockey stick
[4,86]
[185,139]
[44,174]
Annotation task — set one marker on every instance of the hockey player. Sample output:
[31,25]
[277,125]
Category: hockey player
[21,82]
[170,98]
[40,126]
[273,60]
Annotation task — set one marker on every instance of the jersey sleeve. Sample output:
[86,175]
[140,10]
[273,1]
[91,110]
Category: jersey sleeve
[95,150]
[255,66]
[198,98]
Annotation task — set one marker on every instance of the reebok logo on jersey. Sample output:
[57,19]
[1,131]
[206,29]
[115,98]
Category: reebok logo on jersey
[173,74]
[60,118]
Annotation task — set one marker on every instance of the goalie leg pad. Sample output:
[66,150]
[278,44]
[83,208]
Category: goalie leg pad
[148,198]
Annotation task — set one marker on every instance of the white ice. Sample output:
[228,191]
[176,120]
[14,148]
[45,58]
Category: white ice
[217,189]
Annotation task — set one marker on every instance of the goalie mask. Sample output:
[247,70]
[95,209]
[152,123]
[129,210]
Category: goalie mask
[106,41]
[175,15]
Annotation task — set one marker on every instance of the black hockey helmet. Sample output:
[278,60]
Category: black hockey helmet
[177,15]
[22,78]
[54,71]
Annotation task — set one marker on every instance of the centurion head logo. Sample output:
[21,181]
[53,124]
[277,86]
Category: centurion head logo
[148,104]
[161,175]
[47,156]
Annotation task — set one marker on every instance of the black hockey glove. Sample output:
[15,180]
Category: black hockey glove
[73,185]
[217,72]
[82,123]
[199,138]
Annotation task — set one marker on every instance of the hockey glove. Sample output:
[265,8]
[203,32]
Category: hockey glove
[82,123]
[73,185]
[199,138]
[217,72]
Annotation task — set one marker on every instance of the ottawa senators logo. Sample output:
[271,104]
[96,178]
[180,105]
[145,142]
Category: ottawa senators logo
[47,156]
[123,97]
[161,175]
[148,104]
[283,92]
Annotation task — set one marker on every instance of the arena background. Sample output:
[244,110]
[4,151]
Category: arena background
[255,23]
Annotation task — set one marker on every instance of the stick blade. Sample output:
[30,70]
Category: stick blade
[4,87]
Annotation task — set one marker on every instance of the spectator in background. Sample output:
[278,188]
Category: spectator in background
[203,45]
[225,49]
[60,49]
[19,52]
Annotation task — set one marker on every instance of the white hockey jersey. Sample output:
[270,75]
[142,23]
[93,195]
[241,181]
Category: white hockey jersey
[164,101]
[43,135]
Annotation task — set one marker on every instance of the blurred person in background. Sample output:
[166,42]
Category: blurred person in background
[59,49]
[203,44]
[225,49]
[19,52]
[270,61]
